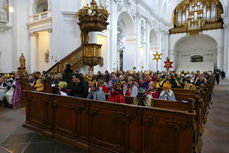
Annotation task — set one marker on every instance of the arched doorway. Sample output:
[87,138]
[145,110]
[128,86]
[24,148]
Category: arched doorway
[39,6]
[126,42]
[196,53]
[41,56]
[120,43]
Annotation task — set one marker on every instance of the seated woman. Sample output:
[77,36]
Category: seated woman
[142,99]
[200,80]
[130,89]
[167,93]
[116,94]
[152,92]
[3,88]
[189,84]
[10,84]
[96,93]
[38,82]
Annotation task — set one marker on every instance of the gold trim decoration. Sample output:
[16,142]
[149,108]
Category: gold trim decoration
[194,16]
[92,19]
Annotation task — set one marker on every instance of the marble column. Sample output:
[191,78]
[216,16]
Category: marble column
[32,59]
[172,56]
[92,38]
[129,54]
[113,53]
[220,57]
[52,57]
[147,66]
[225,64]
[227,49]
[138,47]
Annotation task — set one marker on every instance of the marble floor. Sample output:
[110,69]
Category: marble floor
[216,134]
[16,139]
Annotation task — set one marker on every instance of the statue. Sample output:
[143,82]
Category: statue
[22,61]
[4,10]
[22,68]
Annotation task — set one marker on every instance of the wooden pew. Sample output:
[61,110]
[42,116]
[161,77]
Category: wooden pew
[104,127]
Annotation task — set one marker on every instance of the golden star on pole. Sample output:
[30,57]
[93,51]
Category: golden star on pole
[157,56]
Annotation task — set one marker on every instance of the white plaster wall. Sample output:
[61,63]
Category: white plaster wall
[20,32]
[103,40]
[208,44]
[15,41]
[6,62]
[196,45]
[42,48]
[193,67]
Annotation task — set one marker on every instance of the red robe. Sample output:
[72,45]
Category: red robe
[104,89]
[116,97]
[154,95]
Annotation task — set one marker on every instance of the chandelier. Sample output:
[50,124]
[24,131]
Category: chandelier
[196,15]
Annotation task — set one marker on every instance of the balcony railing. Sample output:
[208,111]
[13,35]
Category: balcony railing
[41,16]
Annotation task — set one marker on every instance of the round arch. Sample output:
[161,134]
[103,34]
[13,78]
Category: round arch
[127,20]
[154,42]
[183,37]
[34,5]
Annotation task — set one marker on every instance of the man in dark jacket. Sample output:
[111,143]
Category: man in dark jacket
[67,75]
[79,88]
[217,75]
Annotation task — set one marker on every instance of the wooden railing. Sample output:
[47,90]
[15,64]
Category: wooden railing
[75,59]
[104,127]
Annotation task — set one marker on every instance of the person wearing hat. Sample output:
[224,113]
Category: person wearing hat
[79,87]
[141,99]
[3,88]
[116,94]
[38,82]
[174,83]
[96,93]
[167,93]
[130,89]
[113,80]
[189,84]
[146,82]
[152,92]
[200,80]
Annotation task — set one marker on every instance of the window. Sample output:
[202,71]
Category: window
[197,58]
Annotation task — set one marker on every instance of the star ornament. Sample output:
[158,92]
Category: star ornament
[157,56]
[168,64]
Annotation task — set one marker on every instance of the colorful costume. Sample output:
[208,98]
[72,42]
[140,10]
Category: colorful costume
[141,99]
[167,93]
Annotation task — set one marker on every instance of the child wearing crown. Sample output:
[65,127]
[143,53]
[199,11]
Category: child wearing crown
[116,94]
[167,93]
[96,93]
[152,93]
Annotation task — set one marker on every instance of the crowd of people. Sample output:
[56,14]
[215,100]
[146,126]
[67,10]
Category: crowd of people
[10,90]
[111,87]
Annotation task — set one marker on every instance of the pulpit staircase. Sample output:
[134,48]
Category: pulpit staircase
[75,59]
[91,19]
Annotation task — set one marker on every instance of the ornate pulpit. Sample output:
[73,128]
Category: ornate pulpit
[92,19]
